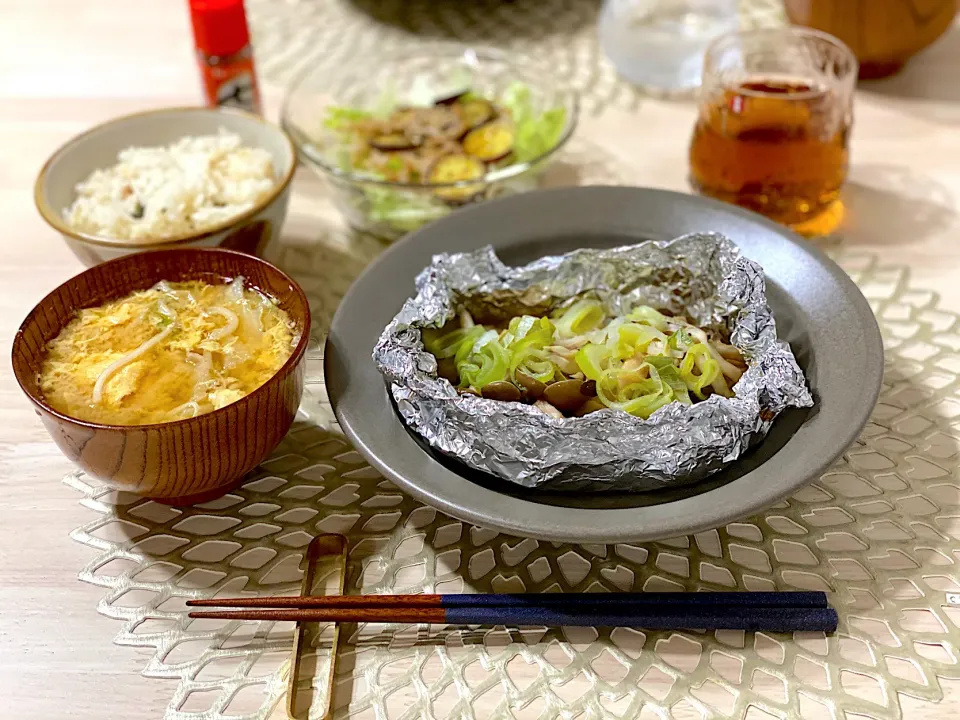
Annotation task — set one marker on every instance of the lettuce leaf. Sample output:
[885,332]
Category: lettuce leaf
[535,133]
[342,118]
[403,211]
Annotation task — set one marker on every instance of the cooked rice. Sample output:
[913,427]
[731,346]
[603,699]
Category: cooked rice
[152,193]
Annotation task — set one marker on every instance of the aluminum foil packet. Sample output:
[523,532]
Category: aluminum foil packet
[700,274]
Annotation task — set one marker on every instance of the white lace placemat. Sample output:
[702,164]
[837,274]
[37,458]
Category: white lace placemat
[881,530]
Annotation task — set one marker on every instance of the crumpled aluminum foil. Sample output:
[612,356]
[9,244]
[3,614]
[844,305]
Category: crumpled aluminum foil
[701,274]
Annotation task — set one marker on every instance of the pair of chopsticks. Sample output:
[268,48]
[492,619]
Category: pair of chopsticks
[770,611]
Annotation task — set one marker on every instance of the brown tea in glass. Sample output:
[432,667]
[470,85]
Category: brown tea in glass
[775,116]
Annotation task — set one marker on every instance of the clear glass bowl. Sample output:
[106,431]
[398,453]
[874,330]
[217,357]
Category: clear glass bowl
[390,209]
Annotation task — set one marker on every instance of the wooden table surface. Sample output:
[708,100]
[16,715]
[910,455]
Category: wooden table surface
[66,65]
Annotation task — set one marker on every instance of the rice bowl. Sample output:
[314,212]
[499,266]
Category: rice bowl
[100,147]
[153,193]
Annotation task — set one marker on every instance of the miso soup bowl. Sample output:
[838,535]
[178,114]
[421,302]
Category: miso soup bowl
[185,461]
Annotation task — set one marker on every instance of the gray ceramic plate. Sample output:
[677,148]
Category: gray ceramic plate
[818,309]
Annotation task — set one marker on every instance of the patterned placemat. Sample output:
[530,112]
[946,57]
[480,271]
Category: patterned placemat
[881,530]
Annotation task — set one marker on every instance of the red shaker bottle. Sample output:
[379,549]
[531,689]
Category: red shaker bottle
[224,54]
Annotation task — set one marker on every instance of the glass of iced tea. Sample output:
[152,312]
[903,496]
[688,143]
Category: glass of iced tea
[775,116]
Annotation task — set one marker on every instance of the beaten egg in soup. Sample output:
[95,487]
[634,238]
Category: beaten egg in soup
[177,350]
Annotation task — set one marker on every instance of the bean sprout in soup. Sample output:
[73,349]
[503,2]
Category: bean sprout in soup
[177,350]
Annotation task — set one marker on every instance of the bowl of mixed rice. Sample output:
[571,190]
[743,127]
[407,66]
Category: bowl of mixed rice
[171,177]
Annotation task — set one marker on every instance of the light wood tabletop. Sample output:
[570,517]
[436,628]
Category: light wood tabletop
[66,65]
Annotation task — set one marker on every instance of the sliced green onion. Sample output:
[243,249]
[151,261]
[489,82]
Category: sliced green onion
[671,376]
[469,346]
[633,338]
[525,340]
[641,398]
[532,361]
[648,316]
[646,405]
[484,363]
[680,340]
[581,317]
[448,344]
[608,388]
[533,329]
[699,356]
[593,360]
[679,366]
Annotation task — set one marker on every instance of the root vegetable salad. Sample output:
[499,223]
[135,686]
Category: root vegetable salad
[437,140]
[582,360]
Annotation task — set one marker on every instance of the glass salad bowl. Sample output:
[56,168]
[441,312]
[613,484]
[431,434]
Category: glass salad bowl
[406,139]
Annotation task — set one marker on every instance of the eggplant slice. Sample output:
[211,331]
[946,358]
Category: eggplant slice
[476,112]
[455,168]
[450,99]
[440,122]
[490,142]
[395,142]
[454,140]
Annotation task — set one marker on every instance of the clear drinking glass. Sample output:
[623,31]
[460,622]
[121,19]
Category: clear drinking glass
[776,110]
[659,44]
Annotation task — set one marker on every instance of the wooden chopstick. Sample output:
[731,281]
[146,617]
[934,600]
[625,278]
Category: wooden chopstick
[802,599]
[676,617]
[772,611]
